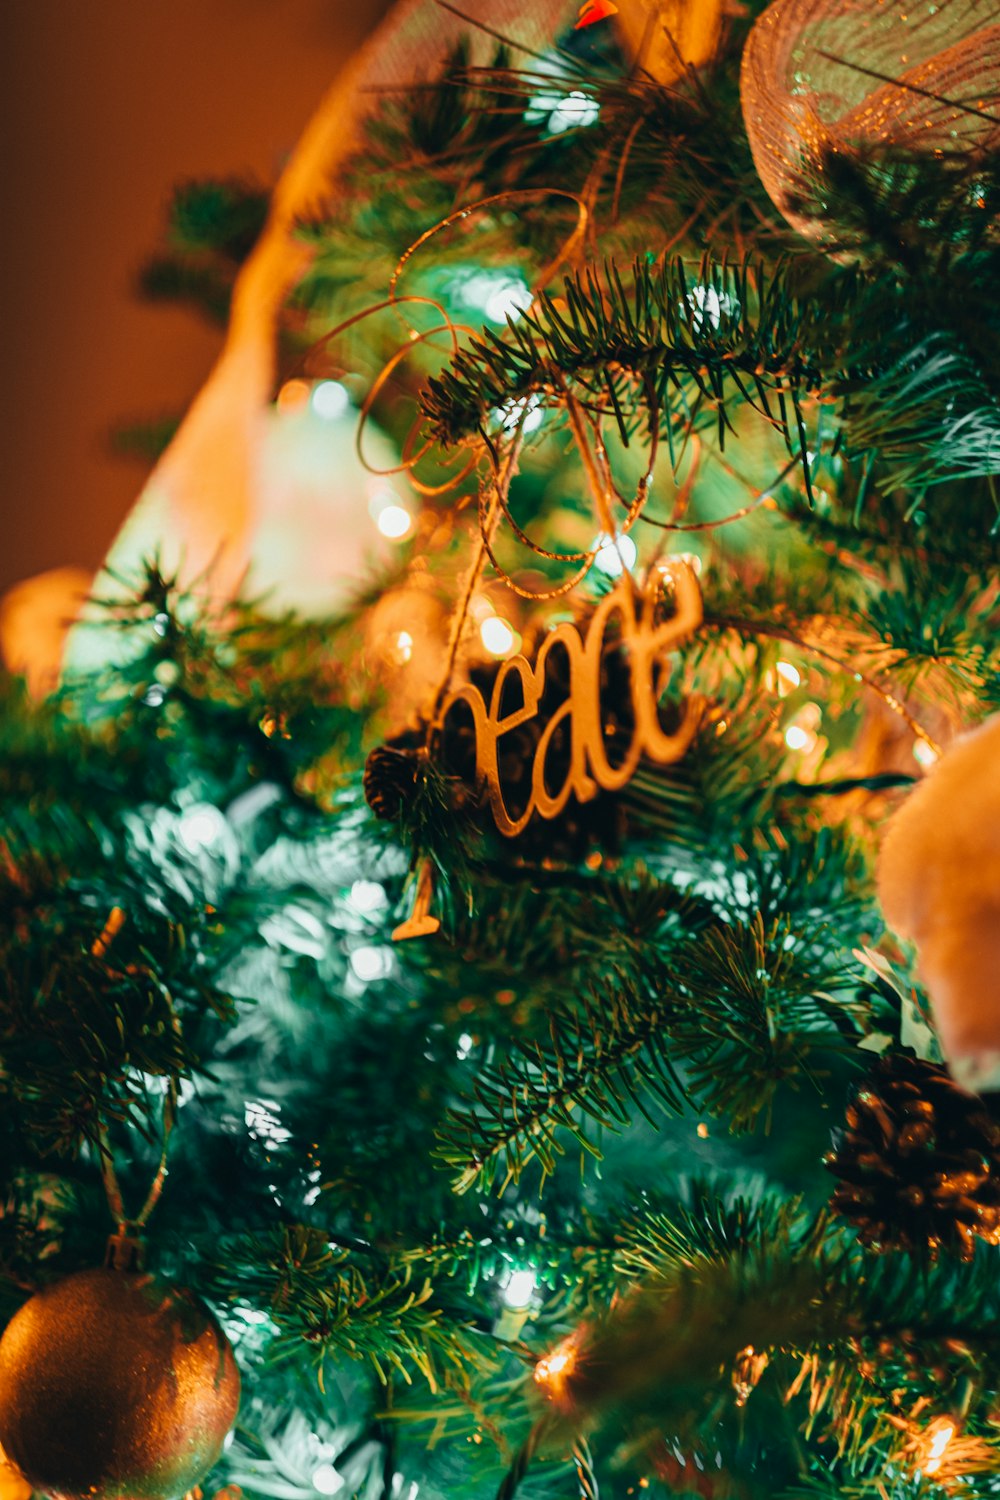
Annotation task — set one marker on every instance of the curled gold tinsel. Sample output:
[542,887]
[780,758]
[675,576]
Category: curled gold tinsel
[852,78]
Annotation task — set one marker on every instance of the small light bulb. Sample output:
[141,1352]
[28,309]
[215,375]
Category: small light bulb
[465,1045]
[496,635]
[788,677]
[519,1290]
[924,753]
[330,400]
[293,396]
[370,963]
[327,1481]
[613,554]
[368,895]
[200,827]
[404,646]
[394,521]
[508,301]
[797,738]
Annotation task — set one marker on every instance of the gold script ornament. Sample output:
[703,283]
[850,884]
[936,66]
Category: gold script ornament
[646,641]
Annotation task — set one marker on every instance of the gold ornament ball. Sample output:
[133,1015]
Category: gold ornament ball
[115,1386]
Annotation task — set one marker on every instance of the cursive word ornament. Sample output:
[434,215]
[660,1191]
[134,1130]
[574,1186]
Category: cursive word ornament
[645,642]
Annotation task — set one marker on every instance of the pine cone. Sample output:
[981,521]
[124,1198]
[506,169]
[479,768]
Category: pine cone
[919,1162]
[390,779]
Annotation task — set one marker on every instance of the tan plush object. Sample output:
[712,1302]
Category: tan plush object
[939,884]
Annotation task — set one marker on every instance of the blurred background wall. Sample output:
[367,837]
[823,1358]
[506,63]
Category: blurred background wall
[104,106]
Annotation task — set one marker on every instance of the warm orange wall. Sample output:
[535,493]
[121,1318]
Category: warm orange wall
[104,104]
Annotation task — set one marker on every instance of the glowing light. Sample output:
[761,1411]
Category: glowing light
[554,1369]
[465,1046]
[330,400]
[263,1124]
[519,1290]
[499,294]
[613,554]
[509,416]
[200,827]
[702,1131]
[507,302]
[369,963]
[394,521]
[404,646]
[574,110]
[327,1481]
[788,677]
[940,1433]
[924,753]
[154,695]
[368,895]
[797,738]
[496,635]
[708,304]
[293,396]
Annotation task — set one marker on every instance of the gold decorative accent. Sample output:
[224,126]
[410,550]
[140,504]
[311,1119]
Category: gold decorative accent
[646,640]
[420,923]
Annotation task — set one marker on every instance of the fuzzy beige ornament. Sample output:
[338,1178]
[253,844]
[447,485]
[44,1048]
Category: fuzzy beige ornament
[939,884]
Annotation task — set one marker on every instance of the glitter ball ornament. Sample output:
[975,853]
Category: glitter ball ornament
[919,1162]
[831,85]
[114,1384]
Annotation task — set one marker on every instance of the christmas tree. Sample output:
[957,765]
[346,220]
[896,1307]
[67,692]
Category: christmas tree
[491,975]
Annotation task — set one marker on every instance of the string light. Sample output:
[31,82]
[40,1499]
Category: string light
[369,963]
[293,396]
[404,646]
[500,294]
[465,1046]
[572,110]
[519,1290]
[497,636]
[368,895]
[327,1481]
[330,400]
[394,521]
[613,553]
[200,827]
[797,738]
[936,1439]
[554,1369]
[789,677]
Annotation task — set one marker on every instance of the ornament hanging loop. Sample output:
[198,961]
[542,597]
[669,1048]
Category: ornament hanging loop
[125,1249]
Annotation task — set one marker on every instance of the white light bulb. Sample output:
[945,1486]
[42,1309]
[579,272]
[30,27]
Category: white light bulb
[612,555]
[327,1481]
[508,301]
[575,109]
[789,677]
[368,895]
[510,416]
[394,521]
[519,1290]
[330,400]
[496,635]
[797,738]
[465,1045]
[200,827]
[370,963]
